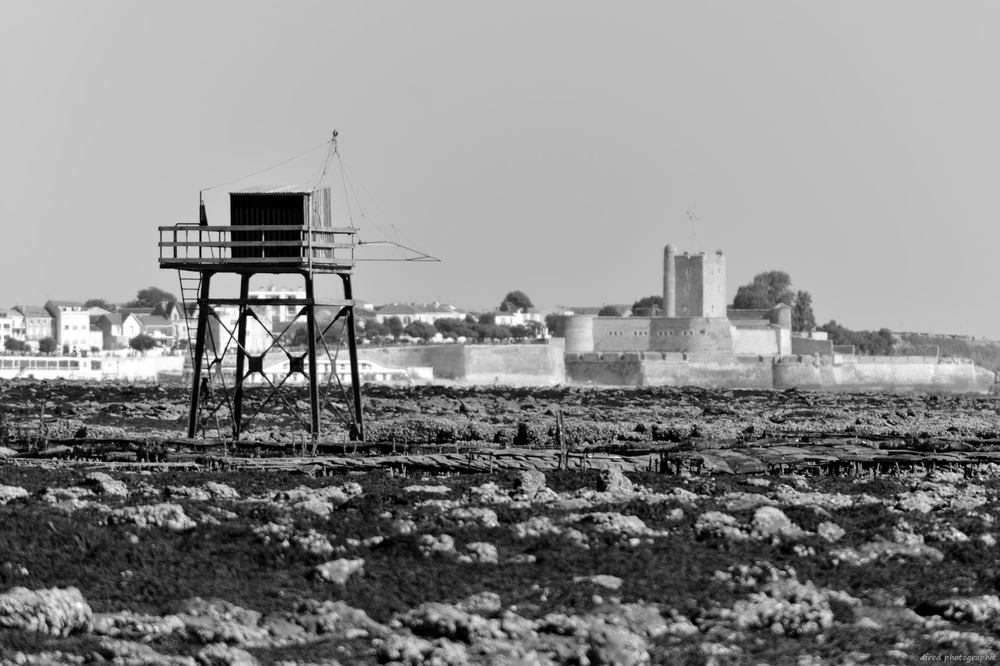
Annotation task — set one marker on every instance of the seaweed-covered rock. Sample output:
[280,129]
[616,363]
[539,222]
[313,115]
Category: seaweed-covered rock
[55,611]
[170,516]
[338,571]
[10,493]
[104,484]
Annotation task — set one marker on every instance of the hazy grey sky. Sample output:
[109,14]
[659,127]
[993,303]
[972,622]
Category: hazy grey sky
[552,147]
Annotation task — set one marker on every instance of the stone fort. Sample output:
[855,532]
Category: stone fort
[695,319]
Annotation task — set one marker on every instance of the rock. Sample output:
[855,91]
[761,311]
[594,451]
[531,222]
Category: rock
[319,501]
[785,607]
[770,522]
[220,654]
[313,542]
[7,453]
[208,621]
[472,516]
[9,493]
[338,571]
[486,604]
[187,493]
[430,490]
[170,516]
[55,611]
[744,501]
[613,480]
[968,609]
[719,525]
[133,626]
[481,552]
[612,522]
[438,620]
[119,651]
[601,580]
[103,484]
[614,646]
[402,527]
[336,619]
[430,545]
[542,526]
[530,483]
[220,490]
[830,531]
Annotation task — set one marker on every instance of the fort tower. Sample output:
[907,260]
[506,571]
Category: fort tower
[694,285]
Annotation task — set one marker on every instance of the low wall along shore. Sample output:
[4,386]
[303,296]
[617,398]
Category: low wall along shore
[478,364]
[892,374]
[548,364]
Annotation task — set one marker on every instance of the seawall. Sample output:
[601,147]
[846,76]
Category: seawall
[478,364]
[888,374]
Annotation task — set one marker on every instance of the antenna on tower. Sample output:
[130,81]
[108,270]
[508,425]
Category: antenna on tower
[692,216]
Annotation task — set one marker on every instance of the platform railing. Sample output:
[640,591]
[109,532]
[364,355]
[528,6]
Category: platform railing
[195,245]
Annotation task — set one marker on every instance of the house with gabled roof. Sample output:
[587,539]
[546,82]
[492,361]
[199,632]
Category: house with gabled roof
[71,325]
[112,336]
[38,323]
[158,328]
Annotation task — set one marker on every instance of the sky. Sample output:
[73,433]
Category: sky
[551,147]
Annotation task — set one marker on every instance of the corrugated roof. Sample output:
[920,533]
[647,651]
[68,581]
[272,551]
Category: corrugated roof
[275,189]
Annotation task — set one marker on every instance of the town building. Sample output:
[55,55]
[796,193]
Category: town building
[158,328]
[38,323]
[427,313]
[11,325]
[71,325]
[110,326]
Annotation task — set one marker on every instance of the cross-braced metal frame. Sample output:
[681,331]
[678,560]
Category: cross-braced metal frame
[233,384]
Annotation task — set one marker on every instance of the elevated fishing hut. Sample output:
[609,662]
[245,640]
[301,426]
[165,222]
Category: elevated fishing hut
[271,231]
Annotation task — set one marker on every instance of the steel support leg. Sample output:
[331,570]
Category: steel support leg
[313,379]
[352,347]
[199,353]
[241,341]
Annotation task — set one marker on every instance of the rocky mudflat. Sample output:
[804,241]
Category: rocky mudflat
[154,564]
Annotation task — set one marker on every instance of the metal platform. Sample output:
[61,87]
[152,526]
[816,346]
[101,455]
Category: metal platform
[255,248]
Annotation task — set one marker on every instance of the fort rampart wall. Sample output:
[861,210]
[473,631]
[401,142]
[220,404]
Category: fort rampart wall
[478,364]
[892,374]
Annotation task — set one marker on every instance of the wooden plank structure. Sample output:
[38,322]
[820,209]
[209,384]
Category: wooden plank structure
[284,230]
[836,458]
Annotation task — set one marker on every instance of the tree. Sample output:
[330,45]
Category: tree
[15,345]
[47,345]
[98,303]
[516,301]
[650,306]
[556,323]
[520,331]
[765,291]
[447,327]
[142,343]
[150,297]
[420,329]
[803,318]
[395,325]
[879,343]
[610,311]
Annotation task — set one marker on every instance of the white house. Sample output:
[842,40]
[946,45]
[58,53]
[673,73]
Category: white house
[11,325]
[409,313]
[71,325]
[131,327]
